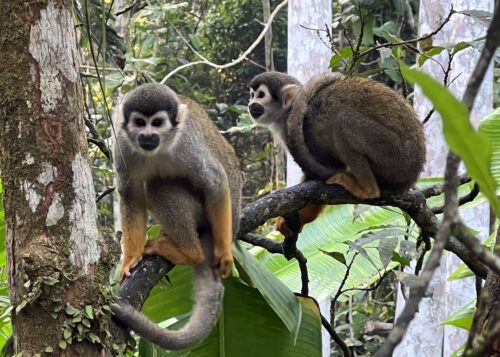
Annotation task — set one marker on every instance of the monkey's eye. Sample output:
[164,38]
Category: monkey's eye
[261,95]
[140,122]
[157,122]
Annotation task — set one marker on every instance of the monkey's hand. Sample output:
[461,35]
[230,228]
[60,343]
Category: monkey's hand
[307,214]
[223,260]
[282,227]
[128,263]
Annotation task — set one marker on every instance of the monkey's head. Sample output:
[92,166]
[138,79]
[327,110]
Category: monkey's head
[271,95]
[151,114]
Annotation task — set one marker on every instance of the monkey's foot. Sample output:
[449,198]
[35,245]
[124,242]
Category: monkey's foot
[350,184]
[223,261]
[128,263]
[162,246]
[282,227]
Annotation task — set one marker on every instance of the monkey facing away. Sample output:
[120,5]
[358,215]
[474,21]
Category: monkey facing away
[173,162]
[350,131]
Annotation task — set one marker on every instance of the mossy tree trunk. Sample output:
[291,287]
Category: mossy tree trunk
[58,263]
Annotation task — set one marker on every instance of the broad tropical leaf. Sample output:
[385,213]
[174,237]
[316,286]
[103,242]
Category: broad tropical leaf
[473,147]
[249,327]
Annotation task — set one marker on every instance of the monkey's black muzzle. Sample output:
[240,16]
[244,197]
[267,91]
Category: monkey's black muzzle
[256,110]
[149,142]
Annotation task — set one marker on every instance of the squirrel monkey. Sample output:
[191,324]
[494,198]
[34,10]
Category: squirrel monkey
[172,161]
[350,131]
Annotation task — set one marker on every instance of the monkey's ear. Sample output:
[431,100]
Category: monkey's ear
[288,93]
[181,113]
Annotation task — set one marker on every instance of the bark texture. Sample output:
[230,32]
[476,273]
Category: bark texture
[426,335]
[57,261]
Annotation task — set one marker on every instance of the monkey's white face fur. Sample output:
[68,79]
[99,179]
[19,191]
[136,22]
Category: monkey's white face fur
[150,134]
[262,107]
[268,111]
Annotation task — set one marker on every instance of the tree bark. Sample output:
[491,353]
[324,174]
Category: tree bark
[308,56]
[487,319]
[426,335]
[58,263]
[268,39]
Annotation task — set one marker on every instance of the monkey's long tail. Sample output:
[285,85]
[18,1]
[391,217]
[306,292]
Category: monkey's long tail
[208,294]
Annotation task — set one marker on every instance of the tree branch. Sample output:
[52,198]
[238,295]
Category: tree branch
[424,279]
[240,58]
[451,218]
[292,199]
[335,336]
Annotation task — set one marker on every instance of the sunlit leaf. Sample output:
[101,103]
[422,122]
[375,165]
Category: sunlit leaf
[473,147]
[250,327]
[462,318]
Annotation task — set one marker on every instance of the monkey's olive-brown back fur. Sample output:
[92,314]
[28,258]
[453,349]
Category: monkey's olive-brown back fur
[337,122]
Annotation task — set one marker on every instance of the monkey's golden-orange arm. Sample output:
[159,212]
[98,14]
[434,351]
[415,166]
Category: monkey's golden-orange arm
[133,220]
[219,214]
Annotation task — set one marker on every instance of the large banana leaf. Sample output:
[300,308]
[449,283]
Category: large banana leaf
[331,232]
[249,327]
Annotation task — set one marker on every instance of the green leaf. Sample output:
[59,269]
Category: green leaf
[168,300]
[396,257]
[337,256]
[462,318]
[48,349]
[460,46]
[490,126]
[67,334]
[472,147]
[89,311]
[463,270]
[249,327]
[408,279]
[154,231]
[388,30]
[389,63]
[330,233]
[277,294]
[21,306]
[336,59]
[94,338]
[62,344]
[428,54]
[70,310]
[386,249]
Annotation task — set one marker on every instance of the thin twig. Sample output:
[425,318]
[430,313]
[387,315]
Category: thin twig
[278,248]
[482,253]
[142,4]
[270,245]
[102,146]
[438,188]
[428,116]
[399,43]
[462,200]
[361,31]
[241,58]
[344,279]
[335,336]
[104,194]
